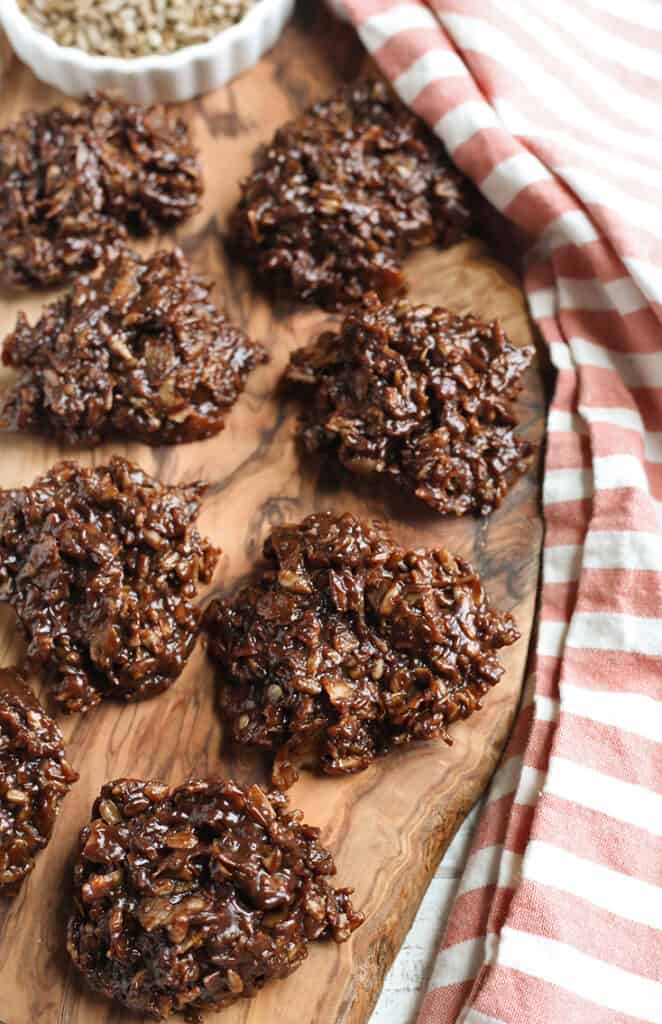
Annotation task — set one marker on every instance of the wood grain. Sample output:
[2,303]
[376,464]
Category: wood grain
[388,826]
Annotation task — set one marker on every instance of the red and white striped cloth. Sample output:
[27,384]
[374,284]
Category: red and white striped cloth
[554,109]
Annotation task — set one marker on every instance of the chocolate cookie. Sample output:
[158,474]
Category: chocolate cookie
[34,778]
[135,350]
[343,193]
[420,395]
[344,645]
[192,898]
[102,567]
[71,181]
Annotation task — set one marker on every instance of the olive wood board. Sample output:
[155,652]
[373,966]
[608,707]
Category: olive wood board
[388,826]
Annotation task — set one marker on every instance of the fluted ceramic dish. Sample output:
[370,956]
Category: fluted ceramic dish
[170,78]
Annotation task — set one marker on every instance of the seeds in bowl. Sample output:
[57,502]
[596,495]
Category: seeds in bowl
[134,28]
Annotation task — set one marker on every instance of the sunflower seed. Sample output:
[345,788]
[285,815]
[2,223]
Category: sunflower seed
[133,28]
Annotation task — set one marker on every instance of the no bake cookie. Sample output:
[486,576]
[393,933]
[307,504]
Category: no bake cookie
[192,898]
[344,645]
[343,193]
[102,567]
[73,180]
[421,395]
[135,350]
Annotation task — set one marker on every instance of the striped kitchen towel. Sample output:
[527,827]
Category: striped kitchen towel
[554,109]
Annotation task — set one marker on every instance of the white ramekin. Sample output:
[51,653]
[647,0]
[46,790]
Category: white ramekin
[170,78]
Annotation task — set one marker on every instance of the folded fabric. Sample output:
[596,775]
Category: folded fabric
[554,111]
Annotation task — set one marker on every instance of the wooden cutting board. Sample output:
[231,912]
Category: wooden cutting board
[388,826]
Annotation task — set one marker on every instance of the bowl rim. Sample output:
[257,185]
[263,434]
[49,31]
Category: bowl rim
[12,16]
